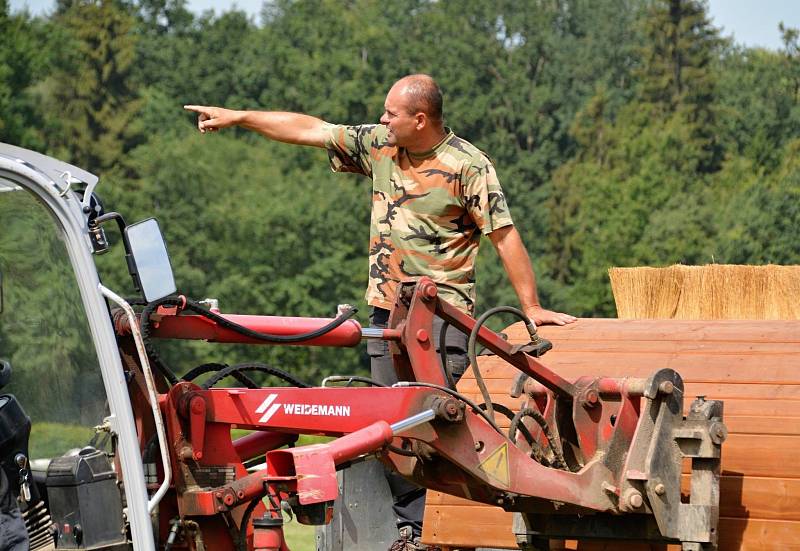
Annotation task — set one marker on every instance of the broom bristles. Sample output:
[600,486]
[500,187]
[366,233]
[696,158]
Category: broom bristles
[712,292]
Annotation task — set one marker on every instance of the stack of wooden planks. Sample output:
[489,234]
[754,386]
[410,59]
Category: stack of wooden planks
[754,366]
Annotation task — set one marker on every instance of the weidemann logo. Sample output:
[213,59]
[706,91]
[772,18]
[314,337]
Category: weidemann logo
[268,407]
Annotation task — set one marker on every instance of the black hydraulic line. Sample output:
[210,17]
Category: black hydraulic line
[451,382]
[266,337]
[353,379]
[188,304]
[400,451]
[160,366]
[205,368]
[473,337]
[558,454]
[509,413]
[241,545]
[263,368]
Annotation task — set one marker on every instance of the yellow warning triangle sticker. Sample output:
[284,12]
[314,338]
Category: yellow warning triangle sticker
[496,465]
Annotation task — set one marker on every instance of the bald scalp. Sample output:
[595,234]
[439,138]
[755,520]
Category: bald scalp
[424,96]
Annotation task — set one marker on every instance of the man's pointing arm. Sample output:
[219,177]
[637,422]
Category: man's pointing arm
[294,128]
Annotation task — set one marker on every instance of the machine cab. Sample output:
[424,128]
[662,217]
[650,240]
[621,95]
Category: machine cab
[61,372]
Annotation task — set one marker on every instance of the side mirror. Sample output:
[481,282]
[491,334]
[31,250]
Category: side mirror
[148,261]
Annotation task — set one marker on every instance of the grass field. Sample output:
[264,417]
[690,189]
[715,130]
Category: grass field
[300,537]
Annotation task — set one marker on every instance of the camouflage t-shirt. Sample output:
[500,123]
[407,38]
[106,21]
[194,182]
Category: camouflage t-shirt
[428,210]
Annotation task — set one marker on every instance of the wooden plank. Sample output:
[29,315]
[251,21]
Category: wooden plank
[736,534]
[777,407]
[714,369]
[492,527]
[717,390]
[741,497]
[733,331]
[468,527]
[688,349]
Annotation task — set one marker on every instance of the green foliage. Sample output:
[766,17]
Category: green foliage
[88,98]
[625,132]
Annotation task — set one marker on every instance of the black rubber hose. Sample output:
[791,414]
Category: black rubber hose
[451,382]
[263,368]
[266,337]
[205,368]
[148,345]
[197,308]
[558,454]
[473,337]
[509,413]
[353,379]
[242,543]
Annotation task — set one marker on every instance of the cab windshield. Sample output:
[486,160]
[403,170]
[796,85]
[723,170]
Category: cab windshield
[44,332]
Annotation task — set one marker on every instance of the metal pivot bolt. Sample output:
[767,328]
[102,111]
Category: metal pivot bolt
[633,499]
[590,398]
[666,387]
[429,292]
[660,489]
[422,335]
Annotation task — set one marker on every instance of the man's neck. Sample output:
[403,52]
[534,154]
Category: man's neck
[428,141]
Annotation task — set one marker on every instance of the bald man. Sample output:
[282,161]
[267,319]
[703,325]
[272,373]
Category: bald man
[434,195]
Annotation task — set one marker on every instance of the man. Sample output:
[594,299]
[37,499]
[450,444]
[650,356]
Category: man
[434,195]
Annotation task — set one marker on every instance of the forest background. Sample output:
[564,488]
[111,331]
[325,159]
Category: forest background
[624,132]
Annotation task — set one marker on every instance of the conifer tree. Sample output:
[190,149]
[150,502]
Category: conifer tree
[90,99]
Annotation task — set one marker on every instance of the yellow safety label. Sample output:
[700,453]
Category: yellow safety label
[496,465]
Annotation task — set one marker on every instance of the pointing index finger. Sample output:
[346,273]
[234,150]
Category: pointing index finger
[197,108]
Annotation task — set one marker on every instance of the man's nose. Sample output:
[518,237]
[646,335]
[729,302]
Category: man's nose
[384,119]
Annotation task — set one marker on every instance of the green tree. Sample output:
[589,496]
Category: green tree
[22,59]
[89,100]
[635,193]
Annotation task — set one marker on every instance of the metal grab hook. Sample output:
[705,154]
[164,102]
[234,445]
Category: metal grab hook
[67,175]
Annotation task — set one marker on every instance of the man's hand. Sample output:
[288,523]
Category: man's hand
[540,316]
[211,119]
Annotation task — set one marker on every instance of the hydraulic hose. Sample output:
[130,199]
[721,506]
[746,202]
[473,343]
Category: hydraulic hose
[263,368]
[473,337]
[195,307]
[206,368]
[552,441]
[451,382]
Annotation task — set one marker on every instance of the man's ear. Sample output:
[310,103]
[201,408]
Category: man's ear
[422,120]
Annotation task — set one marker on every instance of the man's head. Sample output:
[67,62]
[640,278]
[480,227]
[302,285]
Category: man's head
[413,112]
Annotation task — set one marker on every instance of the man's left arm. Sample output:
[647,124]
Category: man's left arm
[517,263]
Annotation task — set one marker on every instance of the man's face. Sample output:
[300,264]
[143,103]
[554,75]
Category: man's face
[402,126]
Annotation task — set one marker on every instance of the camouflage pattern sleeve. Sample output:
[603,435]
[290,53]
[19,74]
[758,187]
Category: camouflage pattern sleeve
[483,197]
[349,148]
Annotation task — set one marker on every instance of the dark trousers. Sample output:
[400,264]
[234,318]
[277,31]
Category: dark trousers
[409,499]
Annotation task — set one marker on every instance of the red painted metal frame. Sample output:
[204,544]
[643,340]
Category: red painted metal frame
[171,323]
[199,423]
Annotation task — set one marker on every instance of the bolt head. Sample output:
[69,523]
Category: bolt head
[429,292]
[422,335]
[660,489]
[633,498]
[666,387]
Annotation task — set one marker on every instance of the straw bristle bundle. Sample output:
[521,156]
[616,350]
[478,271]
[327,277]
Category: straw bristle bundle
[712,292]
